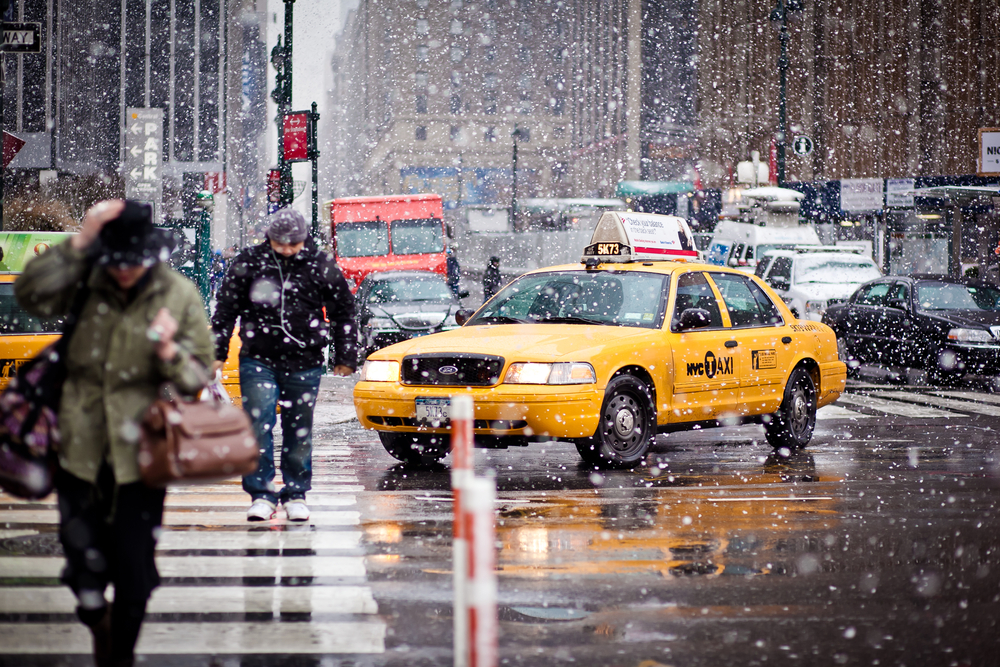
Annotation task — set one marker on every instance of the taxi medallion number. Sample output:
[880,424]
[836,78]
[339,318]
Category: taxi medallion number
[432,411]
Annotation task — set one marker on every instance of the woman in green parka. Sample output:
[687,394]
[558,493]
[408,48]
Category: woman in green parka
[142,324]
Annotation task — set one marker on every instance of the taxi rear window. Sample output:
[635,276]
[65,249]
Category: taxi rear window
[14,319]
[614,298]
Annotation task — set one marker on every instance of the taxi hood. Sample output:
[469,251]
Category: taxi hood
[520,342]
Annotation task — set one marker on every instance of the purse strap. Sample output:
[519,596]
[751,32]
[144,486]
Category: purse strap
[76,308]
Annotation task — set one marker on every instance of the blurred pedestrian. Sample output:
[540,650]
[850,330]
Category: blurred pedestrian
[491,278]
[142,324]
[452,269]
[290,299]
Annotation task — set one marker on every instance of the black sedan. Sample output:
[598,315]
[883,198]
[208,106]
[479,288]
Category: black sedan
[398,305]
[947,326]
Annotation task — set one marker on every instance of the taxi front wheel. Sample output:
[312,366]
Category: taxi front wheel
[792,425]
[415,448]
[627,426]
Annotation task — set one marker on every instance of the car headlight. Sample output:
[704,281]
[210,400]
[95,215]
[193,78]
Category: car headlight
[380,371]
[818,307]
[382,323]
[560,373]
[970,336]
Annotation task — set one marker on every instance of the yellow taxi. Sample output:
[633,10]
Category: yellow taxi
[22,336]
[639,338]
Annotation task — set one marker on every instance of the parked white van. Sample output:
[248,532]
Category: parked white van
[741,244]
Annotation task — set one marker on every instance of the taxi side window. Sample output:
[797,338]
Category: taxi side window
[15,320]
[747,303]
[873,295]
[693,291]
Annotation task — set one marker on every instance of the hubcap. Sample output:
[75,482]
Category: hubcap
[624,423]
[799,413]
[623,419]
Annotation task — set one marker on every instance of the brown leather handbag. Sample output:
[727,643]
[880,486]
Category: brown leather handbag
[194,441]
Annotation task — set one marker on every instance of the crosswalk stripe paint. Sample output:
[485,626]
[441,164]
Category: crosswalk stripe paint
[204,638]
[264,539]
[947,403]
[839,412]
[896,407]
[207,566]
[970,396]
[207,600]
[195,518]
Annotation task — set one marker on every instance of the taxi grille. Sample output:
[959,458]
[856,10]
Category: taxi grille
[477,370]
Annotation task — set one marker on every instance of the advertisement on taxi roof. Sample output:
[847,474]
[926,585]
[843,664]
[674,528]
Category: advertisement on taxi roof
[18,248]
[657,234]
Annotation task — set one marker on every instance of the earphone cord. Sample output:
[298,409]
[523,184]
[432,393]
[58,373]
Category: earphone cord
[281,303]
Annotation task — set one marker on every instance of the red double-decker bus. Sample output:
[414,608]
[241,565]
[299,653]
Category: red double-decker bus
[387,233]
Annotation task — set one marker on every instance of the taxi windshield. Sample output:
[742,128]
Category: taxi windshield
[616,298]
[14,319]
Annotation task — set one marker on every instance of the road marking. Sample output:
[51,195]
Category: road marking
[897,408]
[182,567]
[837,412]
[180,517]
[948,403]
[203,638]
[970,395]
[263,539]
[769,499]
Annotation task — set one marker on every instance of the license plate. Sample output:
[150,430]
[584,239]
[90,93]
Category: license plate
[432,411]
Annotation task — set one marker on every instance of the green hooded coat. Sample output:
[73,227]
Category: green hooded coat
[113,371]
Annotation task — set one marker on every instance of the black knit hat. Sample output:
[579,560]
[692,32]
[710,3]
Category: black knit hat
[132,240]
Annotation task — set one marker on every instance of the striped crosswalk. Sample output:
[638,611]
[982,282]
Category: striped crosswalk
[229,587]
[923,403]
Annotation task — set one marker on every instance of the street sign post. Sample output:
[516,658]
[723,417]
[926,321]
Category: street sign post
[21,38]
[143,157]
[802,145]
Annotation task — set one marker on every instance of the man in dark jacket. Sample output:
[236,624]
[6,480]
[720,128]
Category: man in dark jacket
[491,278]
[279,290]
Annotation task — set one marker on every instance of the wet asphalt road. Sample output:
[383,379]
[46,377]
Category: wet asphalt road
[877,545]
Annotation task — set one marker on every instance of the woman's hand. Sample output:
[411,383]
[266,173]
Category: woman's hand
[161,331]
[94,220]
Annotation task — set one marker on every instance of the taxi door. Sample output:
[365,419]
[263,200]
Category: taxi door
[706,374]
[760,339]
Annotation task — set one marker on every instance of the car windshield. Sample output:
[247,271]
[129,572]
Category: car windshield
[362,239]
[835,270]
[14,319]
[416,237]
[411,288]
[619,298]
[956,296]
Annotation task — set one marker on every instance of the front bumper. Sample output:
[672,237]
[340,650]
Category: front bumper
[565,411]
[974,359]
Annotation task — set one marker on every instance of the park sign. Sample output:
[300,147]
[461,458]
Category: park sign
[21,38]
[144,156]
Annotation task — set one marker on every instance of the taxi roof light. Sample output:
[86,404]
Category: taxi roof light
[622,236]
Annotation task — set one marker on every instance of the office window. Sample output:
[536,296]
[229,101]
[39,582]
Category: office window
[490,134]
[421,103]
[421,133]
[456,79]
[456,27]
[490,81]
[456,104]
[457,54]
[489,53]
[523,134]
[420,79]
[423,53]
[456,132]
[456,5]
[557,105]
[524,54]
[490,27]
[423,27]
[489,106]
[422,4]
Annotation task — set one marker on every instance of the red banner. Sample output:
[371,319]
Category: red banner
[296,136]
[11,145]
[274,186]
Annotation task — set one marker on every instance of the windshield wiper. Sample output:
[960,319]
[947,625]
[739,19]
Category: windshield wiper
[570,319]
[498,319]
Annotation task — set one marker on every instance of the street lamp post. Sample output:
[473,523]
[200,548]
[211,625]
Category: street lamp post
[281,58]
[513,188]
[784,11]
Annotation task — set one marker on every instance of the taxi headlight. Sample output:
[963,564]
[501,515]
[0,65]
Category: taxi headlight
[560,373]
[970,336]
[380,371]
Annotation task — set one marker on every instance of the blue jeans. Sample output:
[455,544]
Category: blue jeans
[263,387]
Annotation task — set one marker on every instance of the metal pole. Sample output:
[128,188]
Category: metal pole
[3,169]
[314,153]
[287,191]
[783,76]
[513,187]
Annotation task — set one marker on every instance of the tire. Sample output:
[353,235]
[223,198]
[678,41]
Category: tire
[414,448]
[844,354]
[792,425]
[627,426]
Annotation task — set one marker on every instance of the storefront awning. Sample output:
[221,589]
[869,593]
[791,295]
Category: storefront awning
[652,188]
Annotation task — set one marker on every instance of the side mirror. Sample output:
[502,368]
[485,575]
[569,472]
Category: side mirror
[694,318]
[462,315]
[463,293]
[897,303]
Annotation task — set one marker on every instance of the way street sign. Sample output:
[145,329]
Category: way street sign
[802,145]
[144,156]
[21,38]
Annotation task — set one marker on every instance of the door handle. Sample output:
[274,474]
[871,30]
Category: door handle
[731,343]
[786,339]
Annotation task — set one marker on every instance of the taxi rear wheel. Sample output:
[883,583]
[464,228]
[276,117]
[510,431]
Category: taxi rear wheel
[627,426]
[415,447]
[792,425]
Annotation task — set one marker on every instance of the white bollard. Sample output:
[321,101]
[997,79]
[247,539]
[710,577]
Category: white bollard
[462,471]
[479,499]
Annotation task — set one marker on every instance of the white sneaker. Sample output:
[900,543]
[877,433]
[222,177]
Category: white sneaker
[261,510]
[297,510]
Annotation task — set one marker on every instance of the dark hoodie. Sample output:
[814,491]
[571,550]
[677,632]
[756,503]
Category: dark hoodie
[251,291]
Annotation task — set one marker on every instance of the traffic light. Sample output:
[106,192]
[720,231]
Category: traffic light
[280,93]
